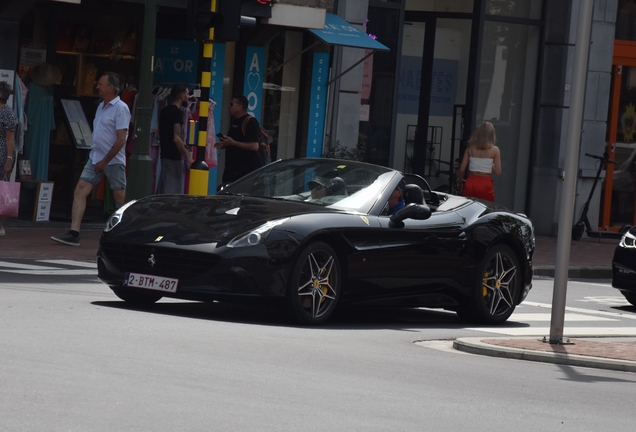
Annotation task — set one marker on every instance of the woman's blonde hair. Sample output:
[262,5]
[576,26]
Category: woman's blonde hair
[483,136]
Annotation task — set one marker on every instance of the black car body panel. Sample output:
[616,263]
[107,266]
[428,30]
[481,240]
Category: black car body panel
[624,265]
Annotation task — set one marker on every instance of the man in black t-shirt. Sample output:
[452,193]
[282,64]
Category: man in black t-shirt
[241,143]
[171,144]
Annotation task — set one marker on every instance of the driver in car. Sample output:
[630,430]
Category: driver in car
[396,200]
[321,187]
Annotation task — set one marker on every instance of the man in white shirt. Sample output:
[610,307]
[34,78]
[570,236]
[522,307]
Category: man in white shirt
[107,156]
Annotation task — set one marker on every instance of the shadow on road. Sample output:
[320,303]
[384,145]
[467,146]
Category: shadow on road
[345,317]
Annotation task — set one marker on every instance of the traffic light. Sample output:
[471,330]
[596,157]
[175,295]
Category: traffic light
[200,18]
[230,15]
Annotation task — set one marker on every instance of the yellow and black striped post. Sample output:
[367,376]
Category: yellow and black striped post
[199,171]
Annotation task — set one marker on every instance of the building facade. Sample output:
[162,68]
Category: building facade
[449,65]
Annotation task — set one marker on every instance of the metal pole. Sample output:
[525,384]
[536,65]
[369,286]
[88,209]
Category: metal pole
[577,99]
[140,164]
[199,170]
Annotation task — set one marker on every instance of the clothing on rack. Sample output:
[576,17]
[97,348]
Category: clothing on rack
[41,121]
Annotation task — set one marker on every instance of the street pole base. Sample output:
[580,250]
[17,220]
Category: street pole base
[557,341]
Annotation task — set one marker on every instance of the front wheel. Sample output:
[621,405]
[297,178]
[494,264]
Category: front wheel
[314,285]
[494,297]
[135,296]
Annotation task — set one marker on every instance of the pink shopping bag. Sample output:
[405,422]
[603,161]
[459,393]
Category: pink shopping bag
[9,199]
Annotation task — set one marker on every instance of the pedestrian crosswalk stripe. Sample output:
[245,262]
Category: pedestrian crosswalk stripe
[85,268]
[14,266]
[583,311]
[525,317]
[71,263]
[568,332]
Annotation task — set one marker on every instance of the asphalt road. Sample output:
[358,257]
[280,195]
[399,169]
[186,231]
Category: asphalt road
[75,358]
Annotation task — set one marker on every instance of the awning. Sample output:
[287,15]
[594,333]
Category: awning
[339,32]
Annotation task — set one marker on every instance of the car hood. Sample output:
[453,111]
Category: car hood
[188,220]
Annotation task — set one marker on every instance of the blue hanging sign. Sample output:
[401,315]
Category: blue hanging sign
[317,104]
[253,84]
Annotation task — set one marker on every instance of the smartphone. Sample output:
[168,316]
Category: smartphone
[220,135]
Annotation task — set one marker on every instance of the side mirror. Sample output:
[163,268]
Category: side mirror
[412,211]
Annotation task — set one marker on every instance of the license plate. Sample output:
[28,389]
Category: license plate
[157,283]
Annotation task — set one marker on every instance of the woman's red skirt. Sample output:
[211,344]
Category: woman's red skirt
[479,187]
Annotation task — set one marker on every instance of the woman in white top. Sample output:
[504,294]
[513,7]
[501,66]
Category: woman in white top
[482,158]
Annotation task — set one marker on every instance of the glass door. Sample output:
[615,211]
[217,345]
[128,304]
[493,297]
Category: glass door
[431,95]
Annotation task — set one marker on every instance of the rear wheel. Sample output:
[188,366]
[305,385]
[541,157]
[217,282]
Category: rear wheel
[135,296]
[497,289]
[630,297]
[577,230]
[315,285]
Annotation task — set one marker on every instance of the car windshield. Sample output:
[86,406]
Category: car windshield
[341,184]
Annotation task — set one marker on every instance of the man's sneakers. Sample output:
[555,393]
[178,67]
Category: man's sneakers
[67,239]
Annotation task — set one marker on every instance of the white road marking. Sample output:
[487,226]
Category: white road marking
[568,332]
[12,266]
[525,317]
[53,271]
[584,311]
[606,300]
[72,263]
[86,269]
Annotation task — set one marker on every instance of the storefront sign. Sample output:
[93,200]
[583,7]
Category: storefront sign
[443,86]
[175,61]
[317,105]
[253,84]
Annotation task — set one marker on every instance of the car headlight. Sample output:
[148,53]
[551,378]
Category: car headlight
[256,236]
[117,216]
[628,240]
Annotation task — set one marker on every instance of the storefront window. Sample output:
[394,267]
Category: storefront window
[506,97]
[626,20]
[514,8]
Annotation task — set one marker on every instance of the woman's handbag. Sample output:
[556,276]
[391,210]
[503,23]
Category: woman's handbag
[9,199]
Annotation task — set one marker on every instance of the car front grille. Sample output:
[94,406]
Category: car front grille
[168,262]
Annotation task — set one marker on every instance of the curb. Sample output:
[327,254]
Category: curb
[474,345]
[577,272]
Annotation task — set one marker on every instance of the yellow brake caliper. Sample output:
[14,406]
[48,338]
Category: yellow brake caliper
[323,288]
[484,285]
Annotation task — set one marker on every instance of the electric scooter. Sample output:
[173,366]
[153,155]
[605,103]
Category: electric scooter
[584,224]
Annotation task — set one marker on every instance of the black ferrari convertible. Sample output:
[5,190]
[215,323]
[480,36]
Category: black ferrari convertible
[316,233]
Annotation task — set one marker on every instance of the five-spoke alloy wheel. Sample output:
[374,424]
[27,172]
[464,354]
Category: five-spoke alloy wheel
[314,284]
[497,290]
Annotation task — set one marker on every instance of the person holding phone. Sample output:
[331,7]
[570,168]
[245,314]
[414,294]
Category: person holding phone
[241,144]
[172,148]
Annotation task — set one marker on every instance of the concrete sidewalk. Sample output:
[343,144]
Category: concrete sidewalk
[589,258]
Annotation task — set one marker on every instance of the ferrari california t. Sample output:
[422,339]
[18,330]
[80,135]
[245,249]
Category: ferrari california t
[315,233]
